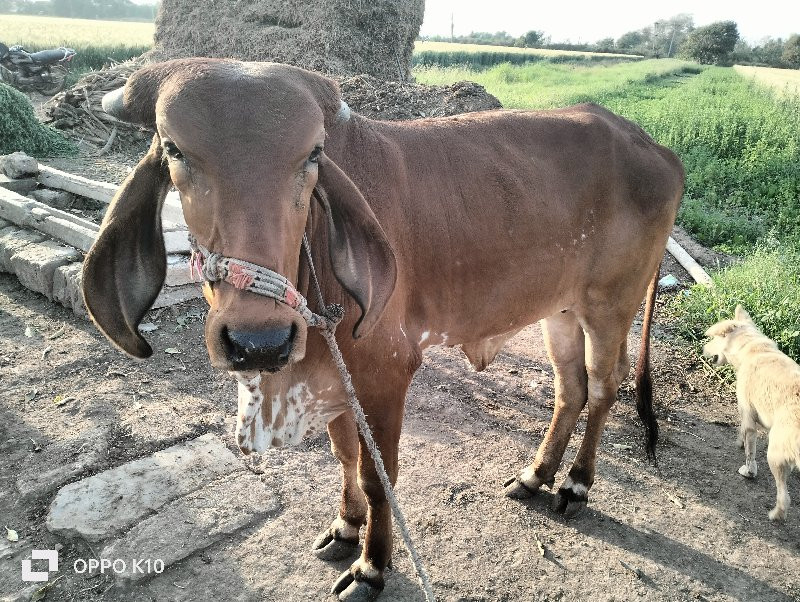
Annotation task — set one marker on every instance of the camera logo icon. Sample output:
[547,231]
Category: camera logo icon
[51,556]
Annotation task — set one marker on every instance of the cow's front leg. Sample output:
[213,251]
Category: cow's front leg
[364,579]
[340,540]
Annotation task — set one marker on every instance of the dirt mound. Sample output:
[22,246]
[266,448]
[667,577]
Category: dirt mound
[21,131]
[330,36]
[391,100]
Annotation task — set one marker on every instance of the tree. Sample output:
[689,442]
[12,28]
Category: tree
[791,52]
[712,44]
[605,45]
[533,39]
[633,41]
[769,52]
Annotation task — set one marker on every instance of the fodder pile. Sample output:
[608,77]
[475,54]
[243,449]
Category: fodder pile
[79,112]
[21,131]
[337,37]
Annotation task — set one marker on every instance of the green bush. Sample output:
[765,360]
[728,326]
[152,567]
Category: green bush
[21,131]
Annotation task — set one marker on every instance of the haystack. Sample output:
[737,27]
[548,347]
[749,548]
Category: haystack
[337,37]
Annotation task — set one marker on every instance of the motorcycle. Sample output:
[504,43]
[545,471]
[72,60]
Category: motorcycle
[44,71]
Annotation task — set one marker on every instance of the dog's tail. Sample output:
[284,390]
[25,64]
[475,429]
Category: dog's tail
[644,381]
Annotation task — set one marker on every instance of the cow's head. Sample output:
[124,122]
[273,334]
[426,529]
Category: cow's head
[244,144]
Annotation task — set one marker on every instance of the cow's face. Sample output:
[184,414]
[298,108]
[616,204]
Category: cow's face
[244,145]
[246,187]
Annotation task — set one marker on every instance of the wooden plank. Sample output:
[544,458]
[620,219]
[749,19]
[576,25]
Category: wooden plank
[695,270]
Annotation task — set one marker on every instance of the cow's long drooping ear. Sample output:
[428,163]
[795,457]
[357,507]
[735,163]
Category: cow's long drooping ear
[362,258]
[126,266]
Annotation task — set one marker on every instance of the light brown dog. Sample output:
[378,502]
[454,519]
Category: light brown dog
[768,394]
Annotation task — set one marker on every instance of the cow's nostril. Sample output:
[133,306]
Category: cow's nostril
[265,349]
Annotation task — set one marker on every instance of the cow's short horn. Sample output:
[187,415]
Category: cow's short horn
[113,103]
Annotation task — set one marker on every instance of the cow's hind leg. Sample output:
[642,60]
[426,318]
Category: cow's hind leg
[340,540]
[606,367]
[564,339]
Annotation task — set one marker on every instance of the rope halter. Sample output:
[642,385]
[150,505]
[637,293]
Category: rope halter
[246,276]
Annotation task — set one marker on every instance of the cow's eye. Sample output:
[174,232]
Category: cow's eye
[172,150]
[314,156]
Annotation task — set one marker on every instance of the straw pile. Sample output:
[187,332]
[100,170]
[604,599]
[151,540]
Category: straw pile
[337,37]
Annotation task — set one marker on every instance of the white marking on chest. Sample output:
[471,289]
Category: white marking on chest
[424,336]
[285,420]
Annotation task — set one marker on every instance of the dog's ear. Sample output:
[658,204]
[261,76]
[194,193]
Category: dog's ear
[362,258]
[742,315]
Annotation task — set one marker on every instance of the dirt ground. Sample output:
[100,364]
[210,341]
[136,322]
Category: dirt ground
[690,529]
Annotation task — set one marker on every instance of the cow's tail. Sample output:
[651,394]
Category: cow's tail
[644,380]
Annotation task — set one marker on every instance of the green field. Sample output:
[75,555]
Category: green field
[96,42]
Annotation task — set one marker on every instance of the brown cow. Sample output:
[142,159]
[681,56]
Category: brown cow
[450,231]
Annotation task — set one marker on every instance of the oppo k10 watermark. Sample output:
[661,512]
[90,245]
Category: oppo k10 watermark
[91,566]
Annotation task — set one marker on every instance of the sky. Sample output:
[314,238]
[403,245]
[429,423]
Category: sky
[584,21]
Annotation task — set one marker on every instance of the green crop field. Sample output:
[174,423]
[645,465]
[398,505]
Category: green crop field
[446,54]
[96,42]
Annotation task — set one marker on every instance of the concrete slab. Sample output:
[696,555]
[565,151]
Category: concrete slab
[192,523]
[100,507]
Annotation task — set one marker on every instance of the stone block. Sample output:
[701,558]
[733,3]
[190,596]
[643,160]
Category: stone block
[193,523]
[36,263]
[13,240]
[18,165]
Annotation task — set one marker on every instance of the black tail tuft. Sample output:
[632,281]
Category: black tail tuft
[644,381]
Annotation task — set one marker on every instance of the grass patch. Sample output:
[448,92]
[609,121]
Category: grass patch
[785,82]
[547,85]
[766,282]
[741,149]
[21,131]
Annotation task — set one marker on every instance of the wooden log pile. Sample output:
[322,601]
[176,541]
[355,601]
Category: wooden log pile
[78,111]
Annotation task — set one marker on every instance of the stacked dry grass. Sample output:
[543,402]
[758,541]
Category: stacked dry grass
[337,37]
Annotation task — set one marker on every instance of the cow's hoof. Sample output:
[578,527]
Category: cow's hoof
[360,583]
[526,485]
[746,472]
[329,546]
[569,502]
